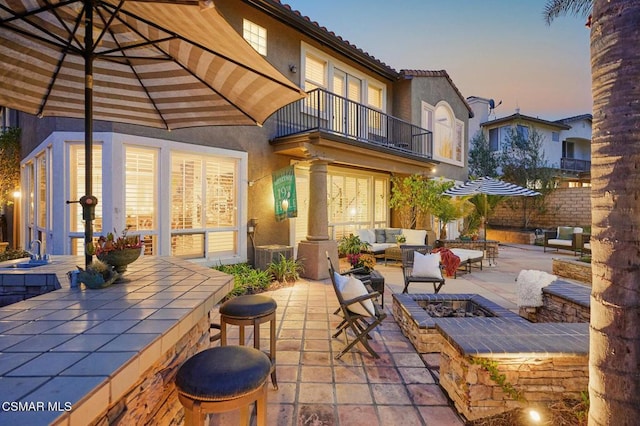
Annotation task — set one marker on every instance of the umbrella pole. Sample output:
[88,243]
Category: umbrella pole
[88,128]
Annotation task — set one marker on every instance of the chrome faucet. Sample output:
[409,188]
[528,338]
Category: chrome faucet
[35,256]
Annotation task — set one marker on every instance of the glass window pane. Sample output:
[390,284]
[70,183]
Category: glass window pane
[140,188]
[189,246]
[77,190]
[186,192]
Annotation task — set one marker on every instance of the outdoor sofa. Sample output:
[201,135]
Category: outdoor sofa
[565,238]
[380,239]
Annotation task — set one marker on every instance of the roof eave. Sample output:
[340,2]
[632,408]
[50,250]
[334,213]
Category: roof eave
[287,16]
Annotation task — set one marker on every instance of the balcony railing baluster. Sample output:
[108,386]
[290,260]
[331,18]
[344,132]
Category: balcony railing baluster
[327,112]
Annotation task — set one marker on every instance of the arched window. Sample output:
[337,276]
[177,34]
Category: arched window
[448,132]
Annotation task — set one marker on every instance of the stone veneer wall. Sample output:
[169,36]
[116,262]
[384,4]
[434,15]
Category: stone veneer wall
[154,399]
[564,207]
[572,269]
[556,309]
[539,378]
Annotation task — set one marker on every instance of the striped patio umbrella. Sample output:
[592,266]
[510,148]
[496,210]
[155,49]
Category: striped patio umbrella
[489,186]
[166,64]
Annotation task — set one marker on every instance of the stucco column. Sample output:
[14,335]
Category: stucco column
[318,218]
[312,252]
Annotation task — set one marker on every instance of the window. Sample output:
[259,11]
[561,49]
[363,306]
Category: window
[203,205]
[140,194]
[77,190]
[356,200]
[522,131]
[448,132]
[255,35]
[315,73]
[498,137]
[555,136]
[568,149]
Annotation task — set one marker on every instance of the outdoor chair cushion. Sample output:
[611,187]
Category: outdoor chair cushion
[560,242]
[355,288]
[565,232]
[380,237]
[341,280]
[426,265]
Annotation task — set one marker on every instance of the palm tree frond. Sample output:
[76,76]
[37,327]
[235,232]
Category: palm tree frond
[556,8]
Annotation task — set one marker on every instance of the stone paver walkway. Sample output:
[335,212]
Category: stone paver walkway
[397,389]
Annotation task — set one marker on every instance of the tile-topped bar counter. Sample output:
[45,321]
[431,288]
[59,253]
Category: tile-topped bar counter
[77,356]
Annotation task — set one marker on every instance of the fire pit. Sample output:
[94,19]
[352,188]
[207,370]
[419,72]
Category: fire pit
[419,314]
[456,309]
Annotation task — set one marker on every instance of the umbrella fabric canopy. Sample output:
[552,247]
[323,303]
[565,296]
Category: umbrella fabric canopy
[155,63]
[166,64]
[489,186]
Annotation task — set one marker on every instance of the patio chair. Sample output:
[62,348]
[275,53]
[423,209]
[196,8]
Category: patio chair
[359,310]
[420,275]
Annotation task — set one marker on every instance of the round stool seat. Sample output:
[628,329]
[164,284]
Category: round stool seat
[249,306]
[223,373]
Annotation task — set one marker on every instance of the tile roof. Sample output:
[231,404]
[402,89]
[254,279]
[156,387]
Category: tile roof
[408,74]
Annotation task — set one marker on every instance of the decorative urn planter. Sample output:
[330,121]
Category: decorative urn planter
[120,258]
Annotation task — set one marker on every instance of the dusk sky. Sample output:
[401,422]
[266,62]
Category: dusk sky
[500,49]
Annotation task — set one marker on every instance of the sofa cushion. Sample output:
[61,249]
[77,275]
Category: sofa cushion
[380,235]
[466,254]
[559,242]
[366,235]
[379,248]
[415,237]
[565,232]
[426,265]
[391,234]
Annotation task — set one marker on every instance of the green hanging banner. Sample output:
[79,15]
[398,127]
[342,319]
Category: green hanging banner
[284,193]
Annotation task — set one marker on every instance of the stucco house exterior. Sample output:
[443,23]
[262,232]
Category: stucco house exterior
[206,193]
[566,142]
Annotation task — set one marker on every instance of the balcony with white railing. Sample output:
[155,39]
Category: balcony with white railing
[325,112]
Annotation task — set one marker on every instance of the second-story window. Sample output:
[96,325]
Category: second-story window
[255,35]
[448,132]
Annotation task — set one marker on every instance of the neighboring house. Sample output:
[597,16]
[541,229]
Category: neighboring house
[205,193]
[566,142]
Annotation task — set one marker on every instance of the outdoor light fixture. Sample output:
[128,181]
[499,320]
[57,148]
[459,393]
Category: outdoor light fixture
[535,416]
[293,68]
[16,194]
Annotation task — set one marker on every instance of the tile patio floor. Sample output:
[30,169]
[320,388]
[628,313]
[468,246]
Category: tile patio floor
[397,389]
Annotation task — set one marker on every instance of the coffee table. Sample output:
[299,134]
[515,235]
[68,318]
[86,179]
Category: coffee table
[393,253]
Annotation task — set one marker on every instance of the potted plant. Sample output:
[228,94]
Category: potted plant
[401,239]
[351,246]
[97,275]
[117,252]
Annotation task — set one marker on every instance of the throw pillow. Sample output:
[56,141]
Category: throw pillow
[355,288]
[415,237]
[341,280]
[379,235]
[565,232]
[426,265]
[390,235]
[365,236]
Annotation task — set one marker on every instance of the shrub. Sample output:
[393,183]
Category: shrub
[285,270]
[246,280]
[11,254]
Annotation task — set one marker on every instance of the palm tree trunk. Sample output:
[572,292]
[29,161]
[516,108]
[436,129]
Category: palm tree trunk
[614,360]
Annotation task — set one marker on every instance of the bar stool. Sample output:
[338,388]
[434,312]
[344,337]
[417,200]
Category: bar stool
[223,379]
[251,310]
